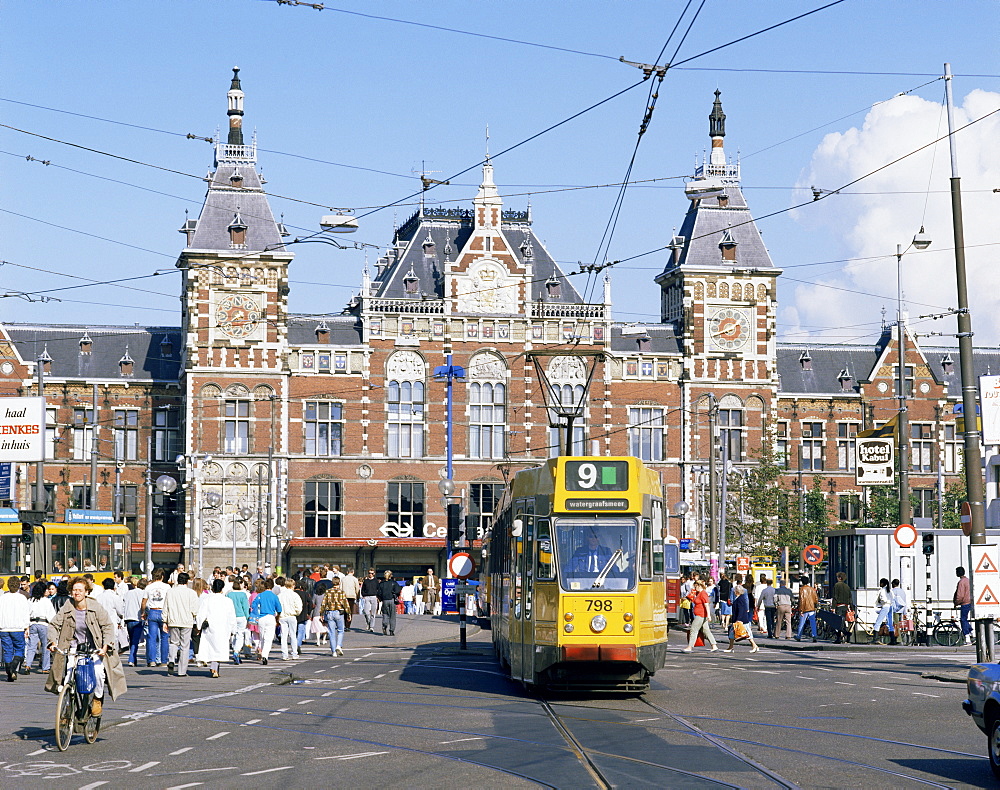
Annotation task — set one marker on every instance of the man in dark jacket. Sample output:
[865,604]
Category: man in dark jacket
[388,594]
[369,599]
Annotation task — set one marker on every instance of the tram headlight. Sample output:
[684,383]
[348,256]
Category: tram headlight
[568,617]
[628,628]
[627,617]
[568,628]
[598,623]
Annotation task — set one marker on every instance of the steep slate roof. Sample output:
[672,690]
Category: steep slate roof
[345,330]
[662,339]
[224,201]
[110,343]
[454,226]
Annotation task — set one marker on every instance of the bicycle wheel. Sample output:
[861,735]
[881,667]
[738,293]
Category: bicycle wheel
[948,633]
[906,637]
[91,728]
[65,716]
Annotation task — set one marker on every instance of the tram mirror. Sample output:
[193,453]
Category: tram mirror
[517,528]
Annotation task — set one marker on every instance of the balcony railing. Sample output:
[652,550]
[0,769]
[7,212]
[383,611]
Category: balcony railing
[551,310]
[420,306]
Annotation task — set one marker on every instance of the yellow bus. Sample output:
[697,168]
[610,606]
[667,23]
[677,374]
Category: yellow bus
[574,570]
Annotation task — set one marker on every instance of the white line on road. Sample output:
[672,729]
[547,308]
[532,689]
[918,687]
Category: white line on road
[350,756]
[252,721]
[843,683]
[39,751]
[342,688]
[181,751]
[380,676]
[823,669]
[303,702]
[279,711]
[803,677]
[181,787]
[217,735]
[92,785]
[655,718]
[327,694]
[921,694]
[881,688]
[143,767]
[460,740]
[267,771]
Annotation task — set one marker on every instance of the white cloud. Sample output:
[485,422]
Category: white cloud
[887,208]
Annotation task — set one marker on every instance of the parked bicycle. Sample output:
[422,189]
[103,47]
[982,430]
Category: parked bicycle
[73,705]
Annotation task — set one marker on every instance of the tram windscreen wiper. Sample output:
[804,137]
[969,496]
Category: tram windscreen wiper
[599,581]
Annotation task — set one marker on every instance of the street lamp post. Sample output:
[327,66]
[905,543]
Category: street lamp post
[921,242]
[212,499]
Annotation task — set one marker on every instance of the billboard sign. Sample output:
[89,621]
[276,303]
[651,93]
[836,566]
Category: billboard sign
[5,478]
[989,397]
[22,429]
[875,459]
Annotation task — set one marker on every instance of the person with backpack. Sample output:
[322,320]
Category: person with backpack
[388,595]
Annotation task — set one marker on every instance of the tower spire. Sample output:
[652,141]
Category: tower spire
[235,111]
[717,130]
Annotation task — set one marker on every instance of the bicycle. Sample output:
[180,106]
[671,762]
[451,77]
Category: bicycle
[72,707]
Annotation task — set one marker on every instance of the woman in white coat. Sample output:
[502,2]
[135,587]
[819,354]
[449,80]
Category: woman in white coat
[217,620]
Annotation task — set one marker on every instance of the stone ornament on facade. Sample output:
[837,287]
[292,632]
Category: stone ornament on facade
[405,366]
[486,367]
[567,370]
[492,290]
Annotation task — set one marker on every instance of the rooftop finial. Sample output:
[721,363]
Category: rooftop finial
[717,118]
[235,111]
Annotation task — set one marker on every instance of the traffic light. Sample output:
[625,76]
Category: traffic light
[928,543]
[454,523]
[27,533]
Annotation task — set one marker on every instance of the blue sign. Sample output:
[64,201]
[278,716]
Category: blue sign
[89,517]
[449,601]
[686,544]
[9,515]
[5,475]
[672,558]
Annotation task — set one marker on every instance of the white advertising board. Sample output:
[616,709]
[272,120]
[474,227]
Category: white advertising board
[875,459]
[22,429]
[989,399]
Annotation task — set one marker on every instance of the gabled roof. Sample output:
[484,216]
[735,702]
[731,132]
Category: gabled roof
[225,201]
[154,359]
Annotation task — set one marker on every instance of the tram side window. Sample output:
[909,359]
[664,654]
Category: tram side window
[516,545]
[88,551]
[646,564]
[10,554]
[529,561]
[119,553]
[63,554]
[546,569]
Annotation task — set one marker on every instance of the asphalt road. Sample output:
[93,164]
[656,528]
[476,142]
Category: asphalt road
[417,711]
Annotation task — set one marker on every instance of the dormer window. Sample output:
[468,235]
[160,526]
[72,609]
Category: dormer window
[553,287]
[676,248]
[126,364]
[947,365]
[728,246]
[45,360]
[643,343]
[805,361]
[723,201]
[846,380]
[322,332]
[166,347]
[428,247]
[86,344]
[236,179]
[526,250]
[411,283]
[237,232]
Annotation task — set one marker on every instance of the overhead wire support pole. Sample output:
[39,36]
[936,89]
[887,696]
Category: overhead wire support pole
[974,488]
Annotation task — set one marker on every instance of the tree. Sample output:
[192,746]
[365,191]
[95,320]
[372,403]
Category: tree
[763,498]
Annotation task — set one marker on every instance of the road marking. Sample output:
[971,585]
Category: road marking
[823,669]
[143,767]
[393,670]
[252,721]
[327,694]
[460,740]
[303,702]
[181,787]
[921,694]
[350,756]
[342,688]
[380,676]
[279,711]
[222,734]
[92,785]
[126,723]
[317,671]
[843,683]
[655,718]
[267,771]
[39,751]
[181,751]
[803,677]
[881,688]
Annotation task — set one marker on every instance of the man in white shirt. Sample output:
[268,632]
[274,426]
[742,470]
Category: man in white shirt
[152,605]
[179,612]
[291,607]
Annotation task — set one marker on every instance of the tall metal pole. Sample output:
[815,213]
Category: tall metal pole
[200,517]
[270,485]
[94,428]
[974,488]
[260,504]
[148,537]
[903,423]
[713,514]
[40,465]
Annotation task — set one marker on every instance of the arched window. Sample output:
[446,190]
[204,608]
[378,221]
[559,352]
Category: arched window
[404,403]
[487,406]
[731,427]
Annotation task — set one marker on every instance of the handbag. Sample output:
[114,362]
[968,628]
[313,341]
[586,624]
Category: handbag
[685,603]
[86,675]
[740,630]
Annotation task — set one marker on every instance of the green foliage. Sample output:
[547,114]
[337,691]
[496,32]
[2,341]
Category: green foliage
[763,499]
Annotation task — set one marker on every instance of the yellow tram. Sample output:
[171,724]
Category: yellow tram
[575,575]
[66,549]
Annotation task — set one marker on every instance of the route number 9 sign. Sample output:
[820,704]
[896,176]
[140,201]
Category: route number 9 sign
[596,475]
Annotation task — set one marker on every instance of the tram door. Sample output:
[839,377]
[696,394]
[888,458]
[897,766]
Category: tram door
[527,619]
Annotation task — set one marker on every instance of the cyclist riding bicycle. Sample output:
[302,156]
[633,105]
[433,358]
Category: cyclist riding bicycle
[84,622]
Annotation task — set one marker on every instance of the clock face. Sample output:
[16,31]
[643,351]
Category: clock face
[238,315]
[729,329]
[6,367]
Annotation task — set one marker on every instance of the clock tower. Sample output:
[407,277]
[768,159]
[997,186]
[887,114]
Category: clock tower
[718,285]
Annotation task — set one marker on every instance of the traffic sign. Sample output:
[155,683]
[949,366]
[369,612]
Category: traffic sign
[461,565]
[812,555]
[743,565]
[905,535]
[985,564]
[465,589]
[966,518]
[985,581]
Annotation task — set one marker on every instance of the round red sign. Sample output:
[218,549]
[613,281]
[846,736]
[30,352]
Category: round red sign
[812,555]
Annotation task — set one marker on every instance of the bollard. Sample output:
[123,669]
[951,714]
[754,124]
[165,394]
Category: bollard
[984,640]
[461,621]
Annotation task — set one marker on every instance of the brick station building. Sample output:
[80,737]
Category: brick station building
[324,437]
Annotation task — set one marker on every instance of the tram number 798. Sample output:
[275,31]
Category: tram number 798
[599,605]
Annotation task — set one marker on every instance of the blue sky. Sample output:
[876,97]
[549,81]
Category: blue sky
[349,108]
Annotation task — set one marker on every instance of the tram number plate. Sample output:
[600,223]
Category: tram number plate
[601,605]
